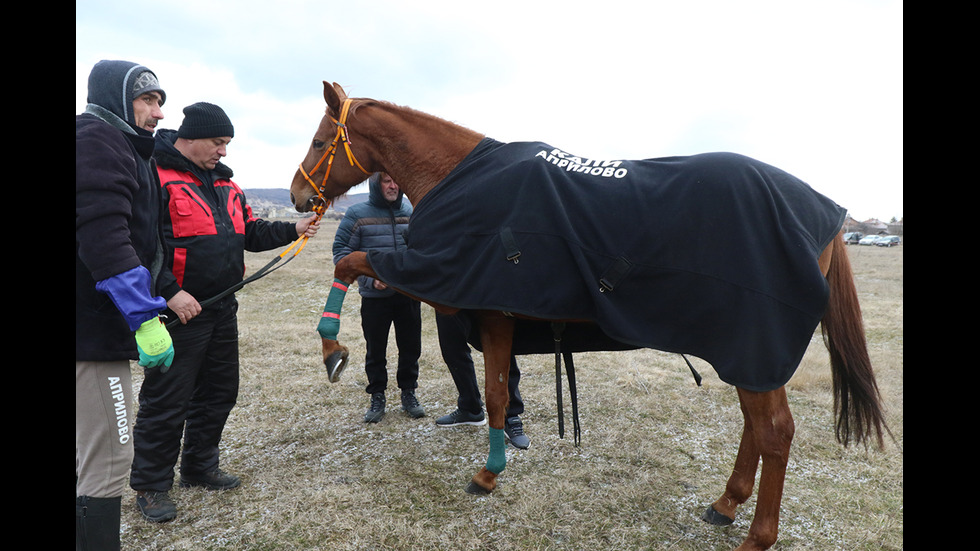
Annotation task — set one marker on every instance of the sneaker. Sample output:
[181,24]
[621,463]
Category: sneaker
[377,410]
[411,404]
[156,506]
[514,432]
[214,480]
[460,417]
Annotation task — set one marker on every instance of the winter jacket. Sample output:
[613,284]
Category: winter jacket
[375,224]
[116,230]
[207,224]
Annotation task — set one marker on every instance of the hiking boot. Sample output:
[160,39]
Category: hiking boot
[411,404]
[377,410]
[156,506]
[214,480]
[514,432]
[460,417]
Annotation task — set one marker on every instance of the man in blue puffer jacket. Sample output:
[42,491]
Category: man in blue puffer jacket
[380,223]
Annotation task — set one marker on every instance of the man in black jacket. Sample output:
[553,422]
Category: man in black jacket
[208,226]
[118,255]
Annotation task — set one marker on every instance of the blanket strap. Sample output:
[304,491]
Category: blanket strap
[511,249]
[612,276]
[558,328]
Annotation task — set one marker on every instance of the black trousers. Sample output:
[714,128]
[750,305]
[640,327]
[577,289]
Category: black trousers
[377,317]
[456,353]
[192,399]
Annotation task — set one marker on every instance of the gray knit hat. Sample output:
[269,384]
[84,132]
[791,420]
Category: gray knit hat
[146,81]
[114,84]
[205,120]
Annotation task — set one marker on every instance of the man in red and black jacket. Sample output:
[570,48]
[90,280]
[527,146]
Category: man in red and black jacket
[207,226]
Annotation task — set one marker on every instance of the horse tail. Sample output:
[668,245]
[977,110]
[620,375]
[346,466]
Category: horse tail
[857,402]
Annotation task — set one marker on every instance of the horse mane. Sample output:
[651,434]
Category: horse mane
[358,103]
[455,141]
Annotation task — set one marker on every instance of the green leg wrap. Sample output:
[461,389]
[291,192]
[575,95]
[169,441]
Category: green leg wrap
[497,460]
[329,325]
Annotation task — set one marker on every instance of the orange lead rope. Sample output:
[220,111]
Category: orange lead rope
[301,241]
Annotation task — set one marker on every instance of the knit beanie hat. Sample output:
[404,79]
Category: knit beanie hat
[205,120]
[114,84]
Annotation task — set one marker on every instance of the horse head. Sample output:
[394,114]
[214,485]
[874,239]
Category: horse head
[318,180]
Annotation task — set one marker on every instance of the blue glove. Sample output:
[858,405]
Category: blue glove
[130,292]
[155,346]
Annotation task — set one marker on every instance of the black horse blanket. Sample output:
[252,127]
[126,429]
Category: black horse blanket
[712,255]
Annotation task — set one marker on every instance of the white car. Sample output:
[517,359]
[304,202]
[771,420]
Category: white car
[868,240]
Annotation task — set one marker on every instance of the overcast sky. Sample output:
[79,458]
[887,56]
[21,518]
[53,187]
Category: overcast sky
[814,88]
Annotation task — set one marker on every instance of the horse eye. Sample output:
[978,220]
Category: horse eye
[318,144]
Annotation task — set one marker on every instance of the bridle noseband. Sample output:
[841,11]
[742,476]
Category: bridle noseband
[340,137]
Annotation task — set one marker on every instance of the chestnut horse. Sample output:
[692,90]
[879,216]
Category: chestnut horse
[419,150]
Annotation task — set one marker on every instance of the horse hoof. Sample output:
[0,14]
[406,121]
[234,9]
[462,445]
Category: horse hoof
[336,362]
[714,517]
[476,489]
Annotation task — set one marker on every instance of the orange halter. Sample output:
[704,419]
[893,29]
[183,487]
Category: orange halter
[329,154]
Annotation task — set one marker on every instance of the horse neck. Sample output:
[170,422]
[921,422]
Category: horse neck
[416,149]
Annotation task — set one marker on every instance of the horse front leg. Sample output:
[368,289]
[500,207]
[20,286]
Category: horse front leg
[496,336]
[335,355]
[768,434]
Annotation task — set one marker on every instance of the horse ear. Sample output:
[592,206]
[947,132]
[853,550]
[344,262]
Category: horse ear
[334,95]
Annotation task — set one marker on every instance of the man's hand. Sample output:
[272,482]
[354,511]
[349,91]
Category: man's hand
[307,227]
[185,306]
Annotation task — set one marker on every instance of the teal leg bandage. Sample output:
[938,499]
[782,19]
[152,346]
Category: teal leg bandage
[329,325]
[497,460]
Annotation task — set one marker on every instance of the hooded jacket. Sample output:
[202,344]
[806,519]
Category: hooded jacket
[116,214]
[374,225]
[207,224]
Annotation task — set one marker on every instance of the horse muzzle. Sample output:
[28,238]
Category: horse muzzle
[310,204]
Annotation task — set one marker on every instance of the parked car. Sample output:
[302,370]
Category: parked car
[852,237]
[888,241]
[868,240]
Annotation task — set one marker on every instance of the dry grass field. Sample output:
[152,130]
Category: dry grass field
[656,449]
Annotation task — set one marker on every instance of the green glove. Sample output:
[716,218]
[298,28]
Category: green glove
[155,346]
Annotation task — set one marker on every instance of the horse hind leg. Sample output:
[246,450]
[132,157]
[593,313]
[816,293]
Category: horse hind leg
[767,435]
[740,483]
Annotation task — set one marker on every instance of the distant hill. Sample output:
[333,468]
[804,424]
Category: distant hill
[277,199]
[276,196]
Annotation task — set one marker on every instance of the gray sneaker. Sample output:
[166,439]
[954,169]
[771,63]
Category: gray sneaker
[377,410]
[156,506]
[514,432]
[460,417]
[411,404]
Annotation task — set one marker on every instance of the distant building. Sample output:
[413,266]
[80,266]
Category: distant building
[895,228]
[873,226]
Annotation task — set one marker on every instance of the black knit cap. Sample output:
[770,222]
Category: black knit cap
[205,120]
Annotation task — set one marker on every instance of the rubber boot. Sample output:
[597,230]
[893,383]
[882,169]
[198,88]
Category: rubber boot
[97,523]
